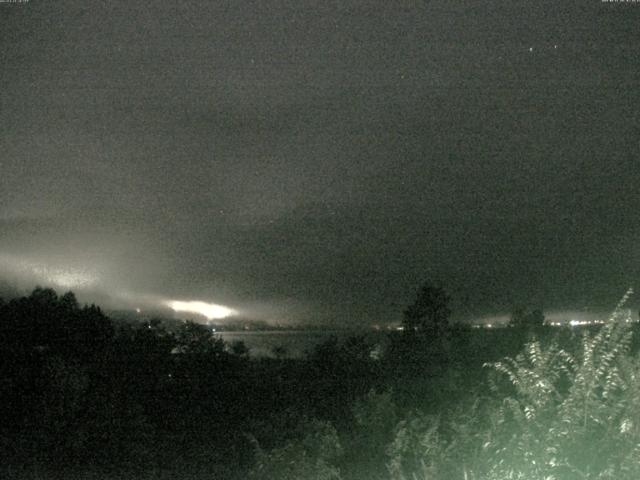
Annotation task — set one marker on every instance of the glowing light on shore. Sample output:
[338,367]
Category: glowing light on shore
[209,310]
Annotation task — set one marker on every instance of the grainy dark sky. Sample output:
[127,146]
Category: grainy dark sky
[317,160]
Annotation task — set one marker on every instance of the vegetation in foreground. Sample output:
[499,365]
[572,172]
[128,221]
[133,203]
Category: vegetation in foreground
[82,396]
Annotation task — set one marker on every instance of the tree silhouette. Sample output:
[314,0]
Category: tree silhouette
[239,348]
[69,302]
[197,338]
[520,318]
[279,351]
[43,320]
[429,313]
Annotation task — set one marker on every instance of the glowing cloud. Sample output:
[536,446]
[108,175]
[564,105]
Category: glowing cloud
[209,310]
[70,279]
[65,277]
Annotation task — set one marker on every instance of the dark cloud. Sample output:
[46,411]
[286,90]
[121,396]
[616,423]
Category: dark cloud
[318,161]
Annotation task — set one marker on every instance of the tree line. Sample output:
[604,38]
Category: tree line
[83,395]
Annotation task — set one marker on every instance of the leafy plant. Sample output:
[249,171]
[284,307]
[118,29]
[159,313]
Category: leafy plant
[308,458]
[555,412]
[568,416]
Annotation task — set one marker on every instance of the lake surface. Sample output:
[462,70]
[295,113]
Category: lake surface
[295,342]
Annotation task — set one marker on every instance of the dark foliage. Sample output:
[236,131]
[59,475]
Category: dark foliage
[82,397]
[429,313]
[521,318]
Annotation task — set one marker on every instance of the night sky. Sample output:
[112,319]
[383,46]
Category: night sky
[317,161]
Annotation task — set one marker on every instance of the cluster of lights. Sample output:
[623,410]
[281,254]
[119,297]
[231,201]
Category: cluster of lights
[575,323]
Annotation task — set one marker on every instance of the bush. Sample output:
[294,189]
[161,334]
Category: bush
[308,458]
[569,416]
[554,414]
